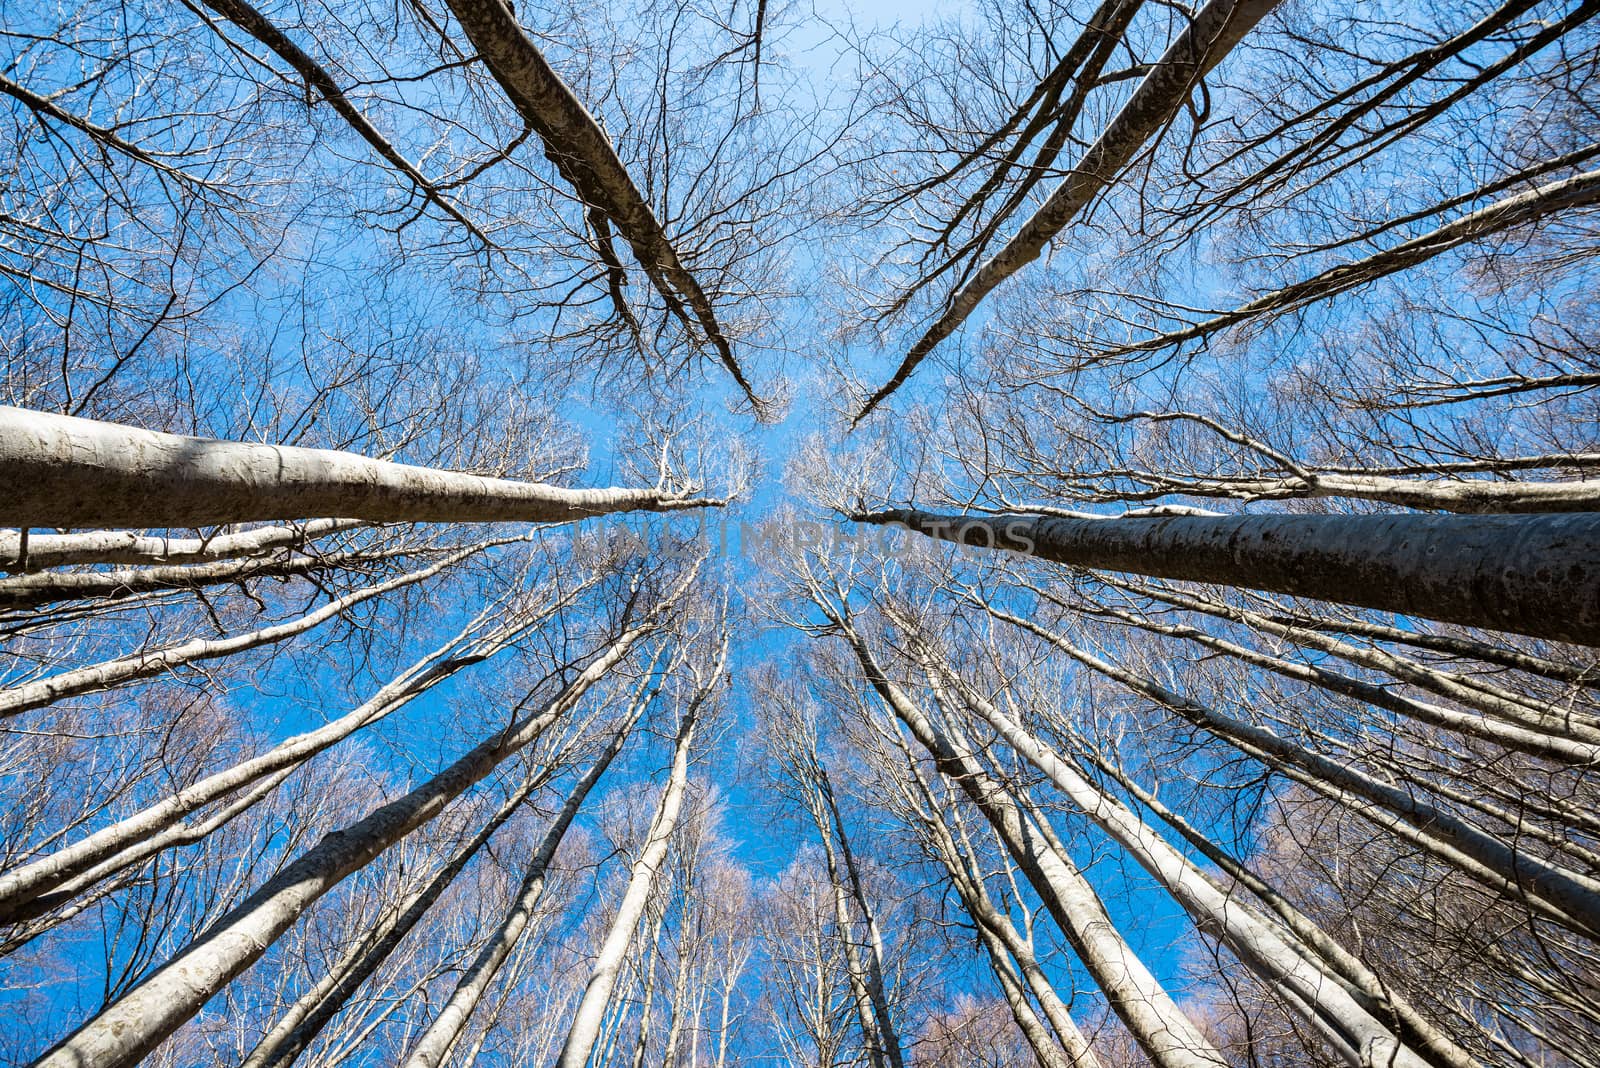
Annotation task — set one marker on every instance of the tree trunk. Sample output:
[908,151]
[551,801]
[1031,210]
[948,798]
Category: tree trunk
[131,548]
[1567,897]
[1537,575]
[435,1043]
[1365,1040]
[66,472]
[585,1030]
[23,884]
[584,154]
[1161,1028]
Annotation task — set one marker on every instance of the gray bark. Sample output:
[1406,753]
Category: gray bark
[113,673]
[32,591]
[441,1035]
[1161,1028]
[586,1021]
[297,1028]
[1270,952]
[135,549]
[1567,897]
[48,873]
[1566,194]
[1537,575]
[1002,942]
[61,471]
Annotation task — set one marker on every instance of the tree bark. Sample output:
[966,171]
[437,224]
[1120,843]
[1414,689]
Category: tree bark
[441,1035]
[113,673]
[61,471]
[46,874]
[134,549]
[1272,954]
[585,1030]
[1161,1028]
[1567,897]
[1537,575]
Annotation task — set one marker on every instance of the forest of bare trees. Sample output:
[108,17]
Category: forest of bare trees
[674,534]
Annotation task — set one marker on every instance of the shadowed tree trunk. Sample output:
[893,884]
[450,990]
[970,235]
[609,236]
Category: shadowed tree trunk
[1528,574]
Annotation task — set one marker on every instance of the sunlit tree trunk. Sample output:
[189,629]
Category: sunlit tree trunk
[67,472]
[586,1021]
[134,1024]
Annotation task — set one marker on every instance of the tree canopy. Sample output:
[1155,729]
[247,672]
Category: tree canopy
[689,534]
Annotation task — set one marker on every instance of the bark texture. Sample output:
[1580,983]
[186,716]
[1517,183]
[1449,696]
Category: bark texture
[67,472]
[1537,575]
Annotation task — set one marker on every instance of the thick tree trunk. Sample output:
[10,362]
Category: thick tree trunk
[1537,575]
[133,1025]
[66,472]
[298,1027]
